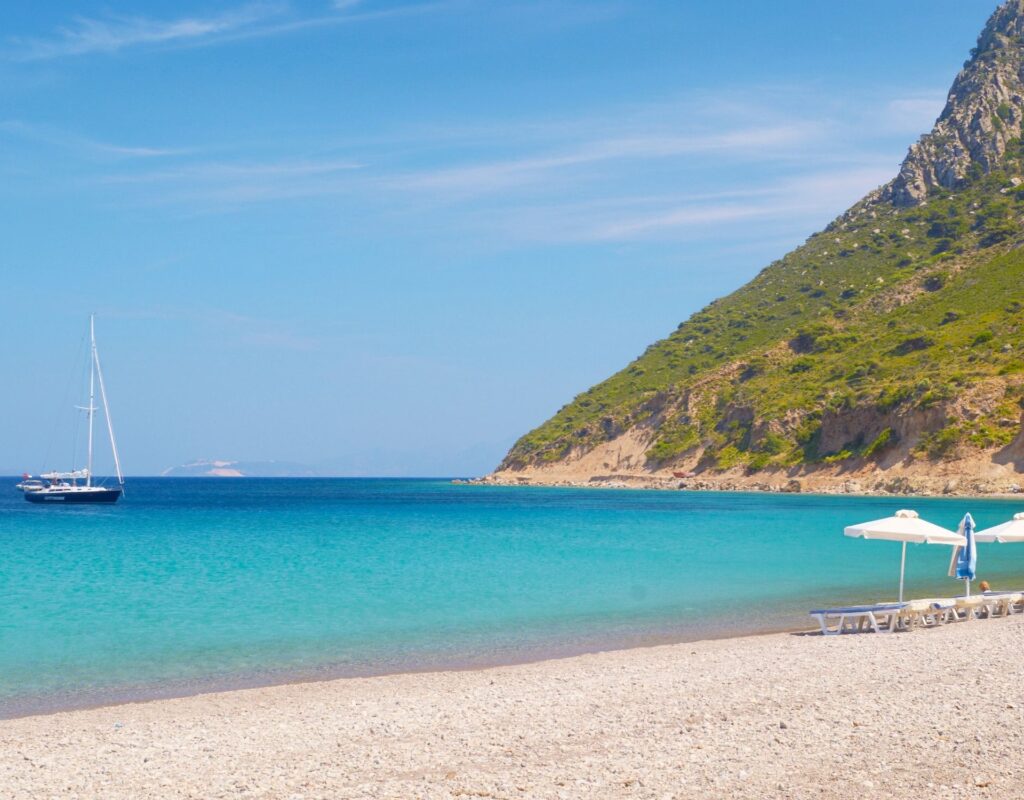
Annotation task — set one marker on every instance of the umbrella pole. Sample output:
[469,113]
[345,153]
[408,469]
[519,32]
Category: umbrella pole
[967,586]
[903,564]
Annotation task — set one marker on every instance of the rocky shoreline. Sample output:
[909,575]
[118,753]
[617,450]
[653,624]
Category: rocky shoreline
[870,487]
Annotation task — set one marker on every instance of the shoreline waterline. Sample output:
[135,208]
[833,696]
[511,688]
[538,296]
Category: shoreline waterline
[49,705]
[748,717]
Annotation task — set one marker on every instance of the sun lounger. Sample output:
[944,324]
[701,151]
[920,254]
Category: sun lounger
[944,610]
[914,612]
[889,617]
[880,618]
[929,612]
[1002,604]
[967,608]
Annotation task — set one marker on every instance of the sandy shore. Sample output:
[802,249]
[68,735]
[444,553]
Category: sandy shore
[929,714]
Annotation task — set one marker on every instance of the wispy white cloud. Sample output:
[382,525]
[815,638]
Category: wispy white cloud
[50,135]
[239,171]
[346,15]
[220,185]
[774,166]
[88,35]
[821,193]
[244,182]
[498,175]
[811,198]
[685,217]
[681,169]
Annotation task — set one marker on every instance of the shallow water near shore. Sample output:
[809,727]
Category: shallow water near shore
[196,584]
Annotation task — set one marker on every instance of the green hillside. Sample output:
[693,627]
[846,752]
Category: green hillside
[872,332]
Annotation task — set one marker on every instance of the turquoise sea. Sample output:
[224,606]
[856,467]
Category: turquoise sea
[189,585]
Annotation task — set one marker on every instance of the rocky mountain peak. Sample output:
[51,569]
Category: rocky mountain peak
[984,112]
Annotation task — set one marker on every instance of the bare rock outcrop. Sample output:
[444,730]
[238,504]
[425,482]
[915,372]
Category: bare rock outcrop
[982,114]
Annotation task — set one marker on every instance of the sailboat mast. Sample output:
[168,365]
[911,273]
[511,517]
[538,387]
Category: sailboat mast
[92,392]
[106,411]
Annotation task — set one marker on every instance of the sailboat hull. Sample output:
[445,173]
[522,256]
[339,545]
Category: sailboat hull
[81,495]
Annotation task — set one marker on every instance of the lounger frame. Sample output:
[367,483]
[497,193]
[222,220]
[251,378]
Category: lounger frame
[880,618]
[891,617]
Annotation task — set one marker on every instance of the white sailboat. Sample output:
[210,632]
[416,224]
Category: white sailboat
[77,486]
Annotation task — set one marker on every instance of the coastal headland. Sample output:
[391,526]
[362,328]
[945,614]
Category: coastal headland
[884,354]
[622,464]
[932,713]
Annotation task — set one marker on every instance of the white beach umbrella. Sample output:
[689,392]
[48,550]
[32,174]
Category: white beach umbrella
[905,527]
[1012,531]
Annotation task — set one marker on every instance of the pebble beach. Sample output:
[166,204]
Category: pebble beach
[932,713]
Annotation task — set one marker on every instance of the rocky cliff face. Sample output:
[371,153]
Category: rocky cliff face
[888,347]
[982,114]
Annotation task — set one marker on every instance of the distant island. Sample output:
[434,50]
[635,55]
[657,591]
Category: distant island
[239,469]
[886,354]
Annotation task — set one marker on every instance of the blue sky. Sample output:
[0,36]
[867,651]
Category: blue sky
[390,237]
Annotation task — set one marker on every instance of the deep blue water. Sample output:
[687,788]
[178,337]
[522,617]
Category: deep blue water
[194,584]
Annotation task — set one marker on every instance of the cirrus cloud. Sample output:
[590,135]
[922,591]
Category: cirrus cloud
[88,35]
